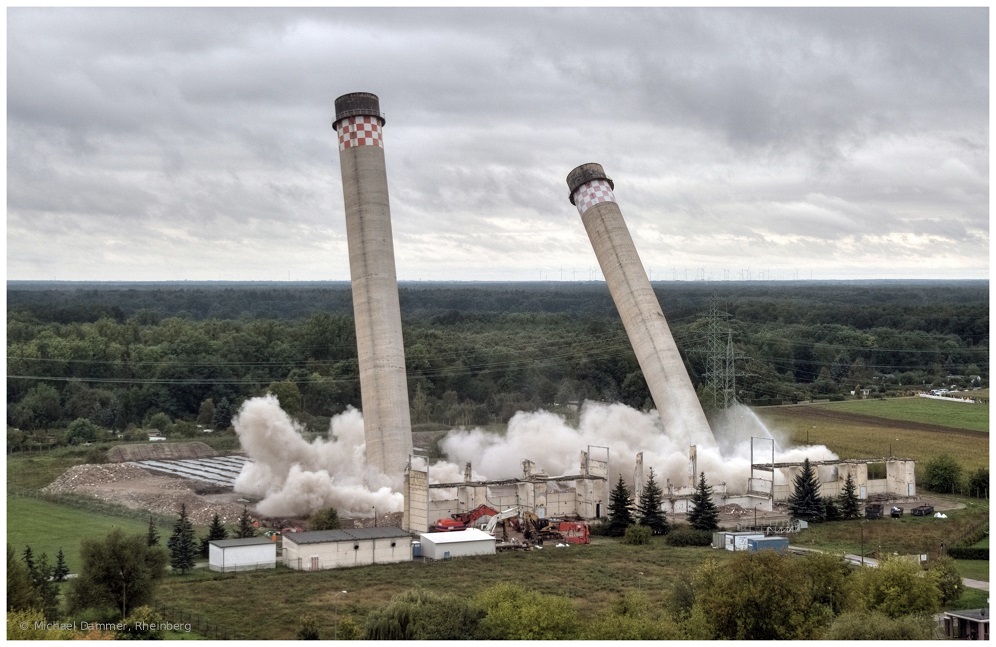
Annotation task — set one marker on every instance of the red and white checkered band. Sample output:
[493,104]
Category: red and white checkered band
[591,193]
[362,130]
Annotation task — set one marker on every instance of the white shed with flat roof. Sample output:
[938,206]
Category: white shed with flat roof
[244,554]
[457,543]
[318,550]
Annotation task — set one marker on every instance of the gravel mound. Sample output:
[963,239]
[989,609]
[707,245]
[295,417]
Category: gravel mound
[136,488]
[159,451]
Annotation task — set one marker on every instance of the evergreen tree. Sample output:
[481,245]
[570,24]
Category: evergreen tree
[245,529]
[849,506]
[830,510]
[182,545]
[216,531]
[649,507]
[46,587]
[61,570]
[805,502]
[21,591]
[152,537]
[703,515]
[29,561]
[620,510]
[223,413]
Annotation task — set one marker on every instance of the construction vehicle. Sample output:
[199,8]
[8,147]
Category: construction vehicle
[501,517]
[448,525]
[468,518]
[463,520]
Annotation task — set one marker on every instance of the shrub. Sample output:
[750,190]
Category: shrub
[873,625]
[968,552]
[943,474]
[948,580]
[978,483]
[637,535]
[685,536]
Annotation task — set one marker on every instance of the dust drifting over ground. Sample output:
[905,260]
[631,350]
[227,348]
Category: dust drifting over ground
[295,477]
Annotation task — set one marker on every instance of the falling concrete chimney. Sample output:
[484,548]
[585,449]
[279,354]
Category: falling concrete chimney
[383,387]
[641,314]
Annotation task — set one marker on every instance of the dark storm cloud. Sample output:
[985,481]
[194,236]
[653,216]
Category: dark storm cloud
[791,136]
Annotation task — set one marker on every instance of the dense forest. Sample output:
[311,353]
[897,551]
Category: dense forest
[128,355]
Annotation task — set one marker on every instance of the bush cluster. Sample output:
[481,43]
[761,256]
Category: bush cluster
[685,536]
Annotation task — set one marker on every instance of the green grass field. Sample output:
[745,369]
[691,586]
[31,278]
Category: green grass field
[974,569]
[269,605]
[925,410]
[47,526]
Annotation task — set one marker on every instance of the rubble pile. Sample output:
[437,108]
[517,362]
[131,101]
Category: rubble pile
[78,477]
[734,509]
[134,487]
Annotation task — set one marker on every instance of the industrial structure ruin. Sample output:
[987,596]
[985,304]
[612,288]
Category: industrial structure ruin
[585,495]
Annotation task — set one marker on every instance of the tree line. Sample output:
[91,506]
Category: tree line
[178,356]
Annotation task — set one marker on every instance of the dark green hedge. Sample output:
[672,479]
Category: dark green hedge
[689,537]
[964,552]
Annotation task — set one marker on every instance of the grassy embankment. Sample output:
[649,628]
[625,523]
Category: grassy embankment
[269,605]
[47,525]
[865,438]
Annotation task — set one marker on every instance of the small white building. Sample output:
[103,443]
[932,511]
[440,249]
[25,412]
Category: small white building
[734,541]
[245,554]
[323,549]
[457,543]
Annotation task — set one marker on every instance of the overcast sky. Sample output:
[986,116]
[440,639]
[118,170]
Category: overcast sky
[172,144]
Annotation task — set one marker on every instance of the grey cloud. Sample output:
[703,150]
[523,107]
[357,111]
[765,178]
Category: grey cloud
[707,118]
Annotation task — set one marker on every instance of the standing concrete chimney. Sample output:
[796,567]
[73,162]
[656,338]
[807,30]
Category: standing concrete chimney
[387,423]
[649,334]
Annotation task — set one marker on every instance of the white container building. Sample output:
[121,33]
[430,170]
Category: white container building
[245,554]
[737,541]
[324,549]
[458,543]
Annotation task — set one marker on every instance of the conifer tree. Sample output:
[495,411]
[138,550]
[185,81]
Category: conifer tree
[649,507]
[46,587]
[182,545]
[245,529]
[620,510]
[216,531]
[21,591]
[805,502]
[849,506]
[29,560]
[152,538]
[61,570]
[830,510]
[703,515]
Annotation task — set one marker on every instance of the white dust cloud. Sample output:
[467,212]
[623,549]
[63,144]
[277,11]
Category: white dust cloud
[295,477]
[555,446]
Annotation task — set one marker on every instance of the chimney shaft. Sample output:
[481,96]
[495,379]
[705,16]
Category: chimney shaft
[376,308]
[591,191]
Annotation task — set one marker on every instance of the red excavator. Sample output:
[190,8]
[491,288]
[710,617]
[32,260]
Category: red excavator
[463,520]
